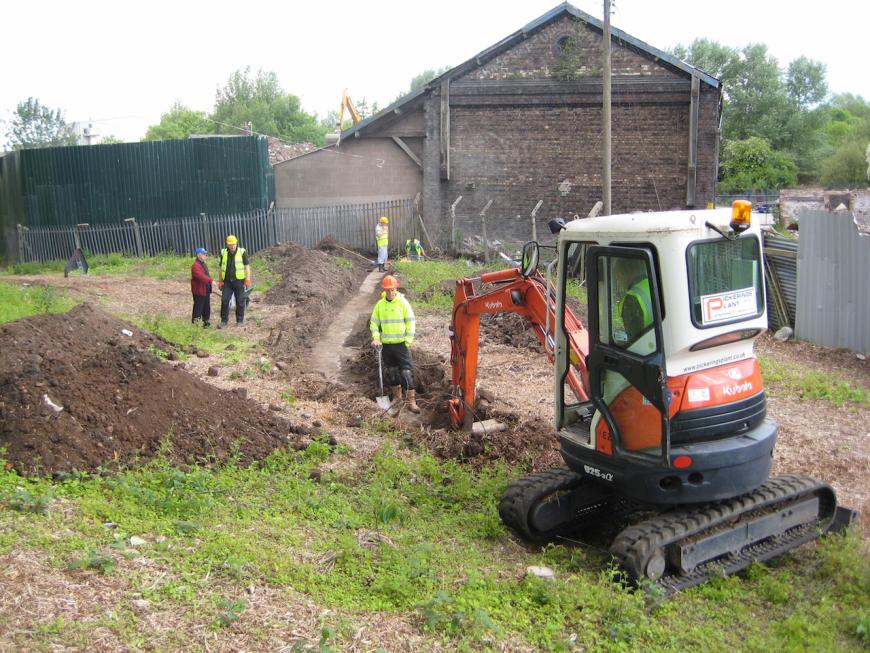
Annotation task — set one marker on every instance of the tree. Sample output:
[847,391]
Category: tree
[805,82]
[179,122]
[111,139]
[419,81]
[762,102]
[751,164]
[35,125]
[261,101]
[847,166]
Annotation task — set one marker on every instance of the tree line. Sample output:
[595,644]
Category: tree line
[781,127]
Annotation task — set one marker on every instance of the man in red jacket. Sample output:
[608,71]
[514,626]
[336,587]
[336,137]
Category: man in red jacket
[200,285]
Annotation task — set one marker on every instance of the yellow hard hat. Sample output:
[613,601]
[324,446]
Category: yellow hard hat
[383,219]
[232,240]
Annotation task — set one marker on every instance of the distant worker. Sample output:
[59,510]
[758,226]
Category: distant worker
[382,240]
[235,277]
[392,327]
[414,250]
[635,306]
[200,286]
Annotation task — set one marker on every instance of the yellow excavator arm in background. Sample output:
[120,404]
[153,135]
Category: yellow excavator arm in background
[347,104]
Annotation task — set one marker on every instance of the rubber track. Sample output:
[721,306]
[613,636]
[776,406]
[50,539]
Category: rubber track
[636,545]
[522,495]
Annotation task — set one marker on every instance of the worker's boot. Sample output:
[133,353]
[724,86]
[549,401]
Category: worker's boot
[412,401]
[396,403]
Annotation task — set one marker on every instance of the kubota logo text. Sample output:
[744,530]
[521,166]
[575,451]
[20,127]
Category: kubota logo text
[493,304]
[739,389]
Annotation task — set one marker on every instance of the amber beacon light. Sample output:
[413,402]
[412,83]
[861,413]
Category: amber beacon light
[741,215]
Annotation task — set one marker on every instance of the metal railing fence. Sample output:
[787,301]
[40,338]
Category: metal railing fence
[352,224]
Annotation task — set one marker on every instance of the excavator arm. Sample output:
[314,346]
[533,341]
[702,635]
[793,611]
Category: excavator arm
[529,296]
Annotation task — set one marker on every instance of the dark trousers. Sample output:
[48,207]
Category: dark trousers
[201,308]
[398,365]
[231,288]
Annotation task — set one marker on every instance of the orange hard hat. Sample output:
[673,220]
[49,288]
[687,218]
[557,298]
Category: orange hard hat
[390,282]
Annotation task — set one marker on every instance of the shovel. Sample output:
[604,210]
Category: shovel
[382,400]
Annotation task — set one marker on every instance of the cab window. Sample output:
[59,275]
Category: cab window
[627,312]
[725,278]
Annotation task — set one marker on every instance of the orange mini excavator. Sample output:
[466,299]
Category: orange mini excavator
[659,406]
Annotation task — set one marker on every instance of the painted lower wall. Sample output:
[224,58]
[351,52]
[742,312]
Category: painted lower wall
[357,171]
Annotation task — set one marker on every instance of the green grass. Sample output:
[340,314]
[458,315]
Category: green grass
[417,537]
[182,332]
[791,379]
[425,279]
[163,266]
[17,301]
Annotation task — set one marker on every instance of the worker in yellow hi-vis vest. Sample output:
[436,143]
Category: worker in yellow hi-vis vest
[234,278]
[382,240]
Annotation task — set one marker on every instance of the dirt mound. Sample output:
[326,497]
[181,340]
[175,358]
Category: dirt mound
[509,329]
[312,276]
[78,392]
[528,442]
[314,282]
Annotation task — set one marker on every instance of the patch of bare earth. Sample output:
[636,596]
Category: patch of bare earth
[109,612]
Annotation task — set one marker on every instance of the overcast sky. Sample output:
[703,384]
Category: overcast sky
[123,64]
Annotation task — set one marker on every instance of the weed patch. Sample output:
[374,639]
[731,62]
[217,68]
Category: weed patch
[790,378]
[17,302]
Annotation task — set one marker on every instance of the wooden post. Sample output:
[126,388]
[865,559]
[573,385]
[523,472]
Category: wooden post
[453,223]
[534,224]
[691,176]
[21,229]
[445,130]
[483,229]
[605,109]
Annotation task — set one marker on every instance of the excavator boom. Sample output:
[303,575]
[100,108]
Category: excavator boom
[512,292]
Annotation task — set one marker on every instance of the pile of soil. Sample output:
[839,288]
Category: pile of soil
[509,329]
[314,282]
[79,393]
[530,442]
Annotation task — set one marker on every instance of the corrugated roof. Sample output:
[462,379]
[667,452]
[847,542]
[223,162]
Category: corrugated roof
[509,41]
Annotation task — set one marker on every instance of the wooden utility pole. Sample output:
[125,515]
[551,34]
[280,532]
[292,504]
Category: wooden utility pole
[605,109]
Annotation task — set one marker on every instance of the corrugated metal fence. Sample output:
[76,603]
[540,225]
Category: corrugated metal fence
[833,281]
[780,258]
[257,230]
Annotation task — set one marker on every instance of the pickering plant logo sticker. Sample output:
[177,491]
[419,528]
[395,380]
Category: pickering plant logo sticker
[725,306]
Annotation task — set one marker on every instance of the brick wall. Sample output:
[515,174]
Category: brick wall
[535,57]
[518,136]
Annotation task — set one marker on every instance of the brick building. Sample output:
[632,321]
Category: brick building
[502,127]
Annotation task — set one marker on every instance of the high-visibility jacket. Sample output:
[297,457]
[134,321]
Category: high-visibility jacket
[640,292]
[392,322]
[414,247]
[239,259]
[382,235]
